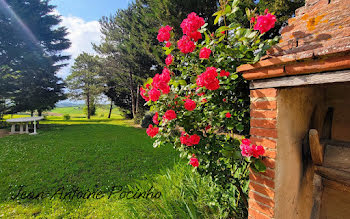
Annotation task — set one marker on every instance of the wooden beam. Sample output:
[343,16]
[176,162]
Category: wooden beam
[302,80]
[333,174]
[317,149]
[317,196]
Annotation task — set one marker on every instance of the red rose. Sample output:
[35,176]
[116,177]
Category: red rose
[207,128]
[142,92]
[154,94]
[266,11]
[208,79]
[169,59]
[152,131]
[204,100]
[224,99]
[252,20]
[246,141]
[195,36]
[265,22]
[190,105]
[204,53]
[192,23]
[249,149]
[193,140]
[164,33]
[161,81]
[184,139]
[168,44]
[224,73]
[257,151]
[186,45]
[169,115]
[155,118]
[228,115]
[194,162]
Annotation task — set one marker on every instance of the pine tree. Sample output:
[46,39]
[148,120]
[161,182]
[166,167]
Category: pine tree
[31,43]
[85,83]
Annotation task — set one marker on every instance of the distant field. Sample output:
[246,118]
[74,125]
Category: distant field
[78,116]
[77,111]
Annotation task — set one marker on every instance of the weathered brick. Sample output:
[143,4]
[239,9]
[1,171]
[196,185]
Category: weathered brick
[270,163]
[270,154]
[267,143]
[263,114]
[268,173]
[272,133]
[266,191]
[259,198]
[268,211]
[269,92]
[262,180]
[263,123]
[257,215]
[264,105]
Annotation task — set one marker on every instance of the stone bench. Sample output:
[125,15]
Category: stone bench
[24,122]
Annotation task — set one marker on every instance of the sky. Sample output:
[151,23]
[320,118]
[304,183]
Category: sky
[81,18]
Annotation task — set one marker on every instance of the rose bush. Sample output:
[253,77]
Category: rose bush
[204,104]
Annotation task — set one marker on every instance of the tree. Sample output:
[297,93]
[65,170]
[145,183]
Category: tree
[130,44]
[85,83]
[31,42]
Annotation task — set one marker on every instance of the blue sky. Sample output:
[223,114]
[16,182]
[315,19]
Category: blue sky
[81,19]
[89,10]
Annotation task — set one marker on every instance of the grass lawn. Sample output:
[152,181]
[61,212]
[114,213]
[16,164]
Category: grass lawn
[100,152]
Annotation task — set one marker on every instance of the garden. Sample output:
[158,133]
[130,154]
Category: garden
[164,128]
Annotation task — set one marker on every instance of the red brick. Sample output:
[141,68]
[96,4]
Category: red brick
[253,176]
[263,105]
[335,63]
[263,114]
[259,198]
[262,190]
[270,154]
[263,123]
[269,92]
[268,72]
[257,215]
[270,163]
[261,208]
[268,173]
[267,143]
[272,133]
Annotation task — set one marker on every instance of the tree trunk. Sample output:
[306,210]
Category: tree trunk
[137,99]
[40,113]
[88,105]
[110,109]
[132,93]
[31,113]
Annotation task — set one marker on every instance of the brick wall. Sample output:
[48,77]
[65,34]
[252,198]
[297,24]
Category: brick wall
[316,40]
[263,132]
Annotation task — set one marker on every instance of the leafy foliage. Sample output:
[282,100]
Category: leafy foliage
[220,114]
[84,83]
[31,42]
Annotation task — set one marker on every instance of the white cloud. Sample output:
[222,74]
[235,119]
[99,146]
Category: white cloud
[81,34]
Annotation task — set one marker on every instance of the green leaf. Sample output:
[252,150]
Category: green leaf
[217,19]
[182,82]
[259,165]
[149,81]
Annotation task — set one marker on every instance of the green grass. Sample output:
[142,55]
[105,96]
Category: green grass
[94,155]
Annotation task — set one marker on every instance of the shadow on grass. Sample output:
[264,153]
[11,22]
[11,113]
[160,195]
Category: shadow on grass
[85,156]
